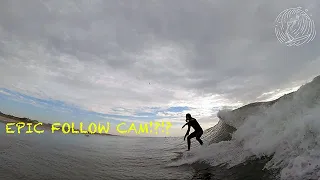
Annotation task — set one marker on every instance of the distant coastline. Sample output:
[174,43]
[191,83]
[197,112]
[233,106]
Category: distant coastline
[6,118]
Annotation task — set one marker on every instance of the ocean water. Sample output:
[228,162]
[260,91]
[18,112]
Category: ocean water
[59,156]
[283,135]
[273,140]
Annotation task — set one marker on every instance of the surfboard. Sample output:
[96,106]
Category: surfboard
[179,152]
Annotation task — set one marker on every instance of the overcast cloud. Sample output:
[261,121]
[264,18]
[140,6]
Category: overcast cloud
[122,57]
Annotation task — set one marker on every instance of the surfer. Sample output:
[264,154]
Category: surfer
[192,122]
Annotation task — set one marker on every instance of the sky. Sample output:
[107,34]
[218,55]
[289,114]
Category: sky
[141,61]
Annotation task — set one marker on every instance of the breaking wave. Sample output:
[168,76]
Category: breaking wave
[287,130]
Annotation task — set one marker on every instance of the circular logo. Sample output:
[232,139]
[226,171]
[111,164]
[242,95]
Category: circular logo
[294,27]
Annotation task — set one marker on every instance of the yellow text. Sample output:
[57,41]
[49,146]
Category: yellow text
[31,128]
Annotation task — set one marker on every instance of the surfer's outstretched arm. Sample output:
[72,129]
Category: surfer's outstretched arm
[187,133]
[184,125]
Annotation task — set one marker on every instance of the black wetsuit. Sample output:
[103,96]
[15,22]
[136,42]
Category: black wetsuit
[197,132]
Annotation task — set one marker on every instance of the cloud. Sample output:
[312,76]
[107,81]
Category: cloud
[5,93]
[123,58]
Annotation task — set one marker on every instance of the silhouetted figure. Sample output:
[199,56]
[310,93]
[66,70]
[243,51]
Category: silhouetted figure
[192,122]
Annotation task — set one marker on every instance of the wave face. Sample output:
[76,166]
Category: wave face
[287,130]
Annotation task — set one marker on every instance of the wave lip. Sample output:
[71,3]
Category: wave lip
[286,129]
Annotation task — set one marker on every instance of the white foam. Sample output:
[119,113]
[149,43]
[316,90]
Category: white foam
[289,129]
